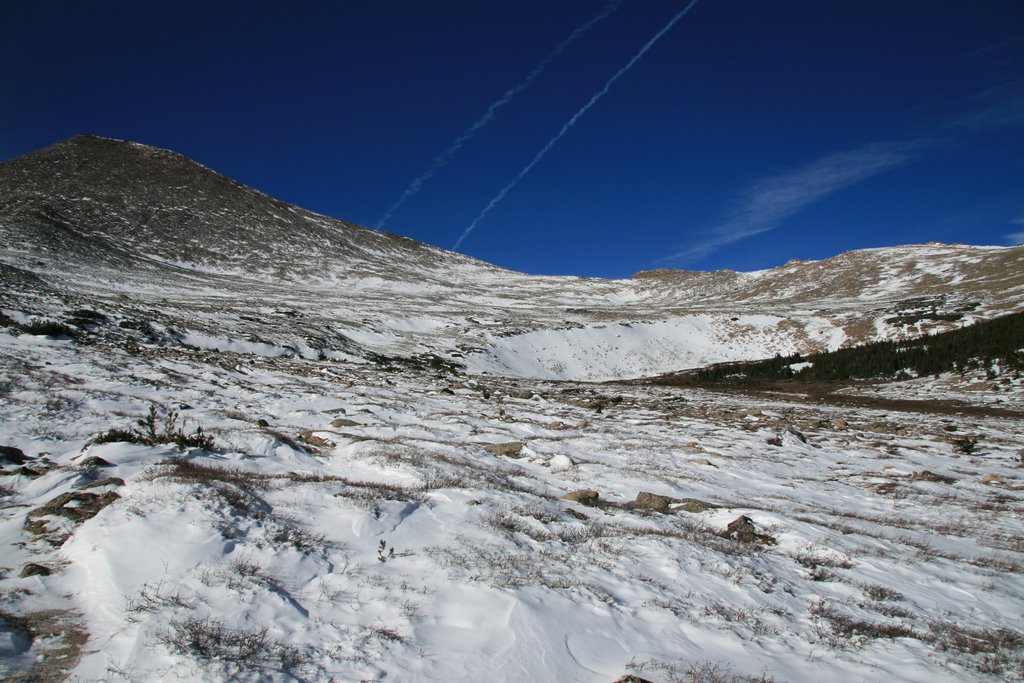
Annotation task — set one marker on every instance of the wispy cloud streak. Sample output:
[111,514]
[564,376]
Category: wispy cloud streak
[445,157]
[1017,238]
[772,200]
[572,121]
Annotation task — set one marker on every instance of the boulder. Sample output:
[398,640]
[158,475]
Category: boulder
[94,461]
[583,496]
[695,505]
[312,439]
[33,569]
[742,529]
[507,448]
[645,500]
[100,483]
[925,475]
[796,434]
[343,422]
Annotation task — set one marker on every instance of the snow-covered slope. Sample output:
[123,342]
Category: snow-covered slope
[396,490]
[351,522]
[145,234]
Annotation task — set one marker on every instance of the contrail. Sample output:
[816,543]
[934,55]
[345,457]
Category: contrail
[575,117]
[445,156]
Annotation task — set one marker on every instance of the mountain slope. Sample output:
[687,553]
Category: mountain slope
[125,204]
[356,509]
[151,236]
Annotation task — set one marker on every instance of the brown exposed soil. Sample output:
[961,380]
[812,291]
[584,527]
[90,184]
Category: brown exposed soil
[825,393]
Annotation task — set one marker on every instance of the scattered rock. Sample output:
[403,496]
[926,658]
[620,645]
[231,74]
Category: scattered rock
[457,385]
[73,505]
[343,422]
[525,394]
[94,461]
[588,497]
[925,475]
[796,434]
[839,423]
[312,439]
[695,505]
[262,423]
[508,448]
[9,455]
[33,569]
[576,513]
[630,678]
[645,500]
[742,529]
[108,481]
[703,461]
[991,479]
[28,472]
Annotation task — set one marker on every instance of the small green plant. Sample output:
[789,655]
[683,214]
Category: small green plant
[384,552]
[148,433]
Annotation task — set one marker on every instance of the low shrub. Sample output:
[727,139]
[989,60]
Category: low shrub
[48,328]
[147,433]
[209,639]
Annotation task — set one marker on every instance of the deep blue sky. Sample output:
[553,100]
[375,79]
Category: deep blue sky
[751,133]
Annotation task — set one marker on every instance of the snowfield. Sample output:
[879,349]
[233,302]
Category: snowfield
[624,350]
[353,522]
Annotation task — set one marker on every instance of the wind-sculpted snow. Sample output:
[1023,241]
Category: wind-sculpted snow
[353,522]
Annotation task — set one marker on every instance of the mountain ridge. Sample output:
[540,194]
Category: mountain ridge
[102,223]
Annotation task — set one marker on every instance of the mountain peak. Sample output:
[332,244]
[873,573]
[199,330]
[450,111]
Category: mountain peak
[106,201]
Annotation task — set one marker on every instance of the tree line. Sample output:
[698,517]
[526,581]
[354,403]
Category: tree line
[990,345]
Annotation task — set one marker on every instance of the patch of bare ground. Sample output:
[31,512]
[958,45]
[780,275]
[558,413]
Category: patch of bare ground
[828,394]
[56,637]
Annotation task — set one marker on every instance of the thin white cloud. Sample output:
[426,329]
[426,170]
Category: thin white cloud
[1005,115]
[1016,238]
[772,200]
